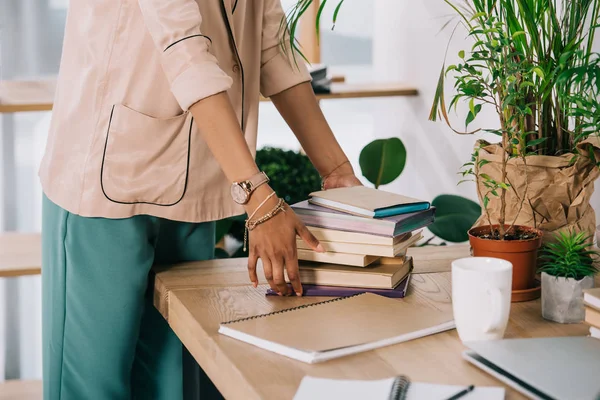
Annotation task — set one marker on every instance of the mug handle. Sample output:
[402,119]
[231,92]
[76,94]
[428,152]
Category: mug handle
[495,321]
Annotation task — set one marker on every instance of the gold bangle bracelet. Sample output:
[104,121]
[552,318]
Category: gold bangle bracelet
[250,225]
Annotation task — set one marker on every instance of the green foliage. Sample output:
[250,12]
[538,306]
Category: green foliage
[569,256]
[532,61]
[454,216]
[383,160]
[292,174]
[289,28]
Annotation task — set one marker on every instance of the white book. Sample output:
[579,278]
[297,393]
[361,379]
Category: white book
[362,248]
[594,332]
[312,388]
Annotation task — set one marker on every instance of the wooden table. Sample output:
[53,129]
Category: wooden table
[25,96]
[196,297]
[20,254]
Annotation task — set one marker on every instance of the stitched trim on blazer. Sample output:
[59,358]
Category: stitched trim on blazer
[187,169]
[232,39]
[188,37]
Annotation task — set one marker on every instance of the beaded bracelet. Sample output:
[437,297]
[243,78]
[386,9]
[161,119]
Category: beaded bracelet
[250,225]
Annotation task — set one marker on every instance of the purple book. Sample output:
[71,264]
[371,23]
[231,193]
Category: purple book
[339,291]
[322,217]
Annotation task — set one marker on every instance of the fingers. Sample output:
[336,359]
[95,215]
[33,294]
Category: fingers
[252,260]
[293,272]
[269,274]
[278,275]
[309,238]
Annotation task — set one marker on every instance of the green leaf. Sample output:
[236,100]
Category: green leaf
[537,141]
[478,15]
[486,201]
[461,54]
[538,71]
[483,162]
[454,216]
[336,12]
[470,118]
[517,34]
[472,105]
[383,160]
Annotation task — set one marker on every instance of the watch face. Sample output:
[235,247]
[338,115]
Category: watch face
[239,195]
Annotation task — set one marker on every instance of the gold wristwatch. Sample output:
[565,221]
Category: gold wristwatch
[241,191]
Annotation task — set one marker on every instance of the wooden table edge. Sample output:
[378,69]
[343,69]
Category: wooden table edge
[212,357]
[15,273]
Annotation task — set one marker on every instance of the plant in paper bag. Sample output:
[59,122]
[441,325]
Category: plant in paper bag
[532,62]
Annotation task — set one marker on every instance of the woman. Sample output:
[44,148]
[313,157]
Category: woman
[152,136]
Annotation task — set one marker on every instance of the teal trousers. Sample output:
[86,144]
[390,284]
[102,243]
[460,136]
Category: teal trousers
[102,337]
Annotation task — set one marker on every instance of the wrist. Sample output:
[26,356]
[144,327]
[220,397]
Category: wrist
[339,166]
[258,196]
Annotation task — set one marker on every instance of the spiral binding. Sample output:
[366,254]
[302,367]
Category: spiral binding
[291,309]
[400,388]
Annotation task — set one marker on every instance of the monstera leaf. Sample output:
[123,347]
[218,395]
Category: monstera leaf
[454,216]
[382,161]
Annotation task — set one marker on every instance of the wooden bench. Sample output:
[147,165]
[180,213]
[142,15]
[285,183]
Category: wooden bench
[21,390]
[20,254]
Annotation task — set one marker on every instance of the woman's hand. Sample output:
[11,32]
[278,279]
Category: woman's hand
[274,242]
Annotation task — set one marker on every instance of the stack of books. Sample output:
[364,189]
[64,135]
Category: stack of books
[366,234]
[591,298]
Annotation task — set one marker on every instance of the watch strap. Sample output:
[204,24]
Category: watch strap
[257,179]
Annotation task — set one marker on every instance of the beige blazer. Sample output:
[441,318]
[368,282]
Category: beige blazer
[122,141]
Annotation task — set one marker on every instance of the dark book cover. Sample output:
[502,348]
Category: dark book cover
[337,291]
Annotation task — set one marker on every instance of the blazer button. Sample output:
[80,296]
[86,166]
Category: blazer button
[235,68]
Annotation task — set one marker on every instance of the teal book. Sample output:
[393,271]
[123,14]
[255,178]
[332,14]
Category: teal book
[367,202]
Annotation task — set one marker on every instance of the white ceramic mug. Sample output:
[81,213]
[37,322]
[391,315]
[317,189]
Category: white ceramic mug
[481,290]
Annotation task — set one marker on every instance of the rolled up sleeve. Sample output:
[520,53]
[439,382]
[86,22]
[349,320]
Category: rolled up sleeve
[192,71]
[279,71]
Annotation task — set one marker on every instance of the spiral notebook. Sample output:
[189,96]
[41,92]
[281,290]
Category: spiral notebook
[398,388]
[338,327]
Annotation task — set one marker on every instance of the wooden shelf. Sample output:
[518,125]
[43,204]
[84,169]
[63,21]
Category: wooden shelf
[20,254]
[27,96]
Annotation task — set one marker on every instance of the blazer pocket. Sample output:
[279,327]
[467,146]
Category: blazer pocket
[146,159]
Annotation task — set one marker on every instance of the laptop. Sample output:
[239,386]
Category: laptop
[566,368]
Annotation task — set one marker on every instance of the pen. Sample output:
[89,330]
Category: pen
[461,393]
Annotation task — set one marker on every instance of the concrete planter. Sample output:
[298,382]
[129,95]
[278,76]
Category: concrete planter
[562,298]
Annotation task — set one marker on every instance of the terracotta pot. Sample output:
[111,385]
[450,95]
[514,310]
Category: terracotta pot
[521,253]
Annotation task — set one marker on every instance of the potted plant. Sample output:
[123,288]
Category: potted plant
[532,62]
[567,268]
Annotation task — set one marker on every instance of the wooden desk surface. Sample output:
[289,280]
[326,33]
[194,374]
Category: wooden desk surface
[196,297]
[20,254]
[23,96]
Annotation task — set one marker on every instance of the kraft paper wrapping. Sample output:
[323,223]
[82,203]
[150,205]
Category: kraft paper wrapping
[558,197]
